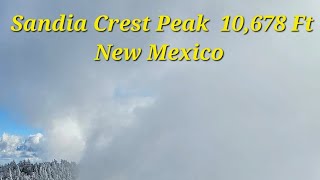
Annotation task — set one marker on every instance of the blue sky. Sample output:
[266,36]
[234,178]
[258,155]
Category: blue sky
[10,123]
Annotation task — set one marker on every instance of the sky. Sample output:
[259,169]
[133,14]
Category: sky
[251,116]
[11,124]
[18,140]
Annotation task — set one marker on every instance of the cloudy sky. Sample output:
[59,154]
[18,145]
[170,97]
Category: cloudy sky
[254,115]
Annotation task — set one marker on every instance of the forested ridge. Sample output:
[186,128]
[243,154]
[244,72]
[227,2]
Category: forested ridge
[25,170]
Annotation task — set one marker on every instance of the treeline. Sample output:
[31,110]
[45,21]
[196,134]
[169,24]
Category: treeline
[25,170]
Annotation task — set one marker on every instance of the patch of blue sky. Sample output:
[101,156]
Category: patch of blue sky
[11,123]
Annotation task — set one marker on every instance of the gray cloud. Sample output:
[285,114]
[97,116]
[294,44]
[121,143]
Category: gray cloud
[251,116]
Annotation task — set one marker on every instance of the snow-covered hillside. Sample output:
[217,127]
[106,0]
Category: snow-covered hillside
[25,170]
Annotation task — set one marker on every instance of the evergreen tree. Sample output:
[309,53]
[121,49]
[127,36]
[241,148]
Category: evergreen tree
[25,170]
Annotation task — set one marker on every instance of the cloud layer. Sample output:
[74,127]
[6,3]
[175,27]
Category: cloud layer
[251,116]
[18,148]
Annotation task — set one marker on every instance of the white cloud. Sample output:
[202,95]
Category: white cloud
[65,140]
[14,147]
[251,116]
